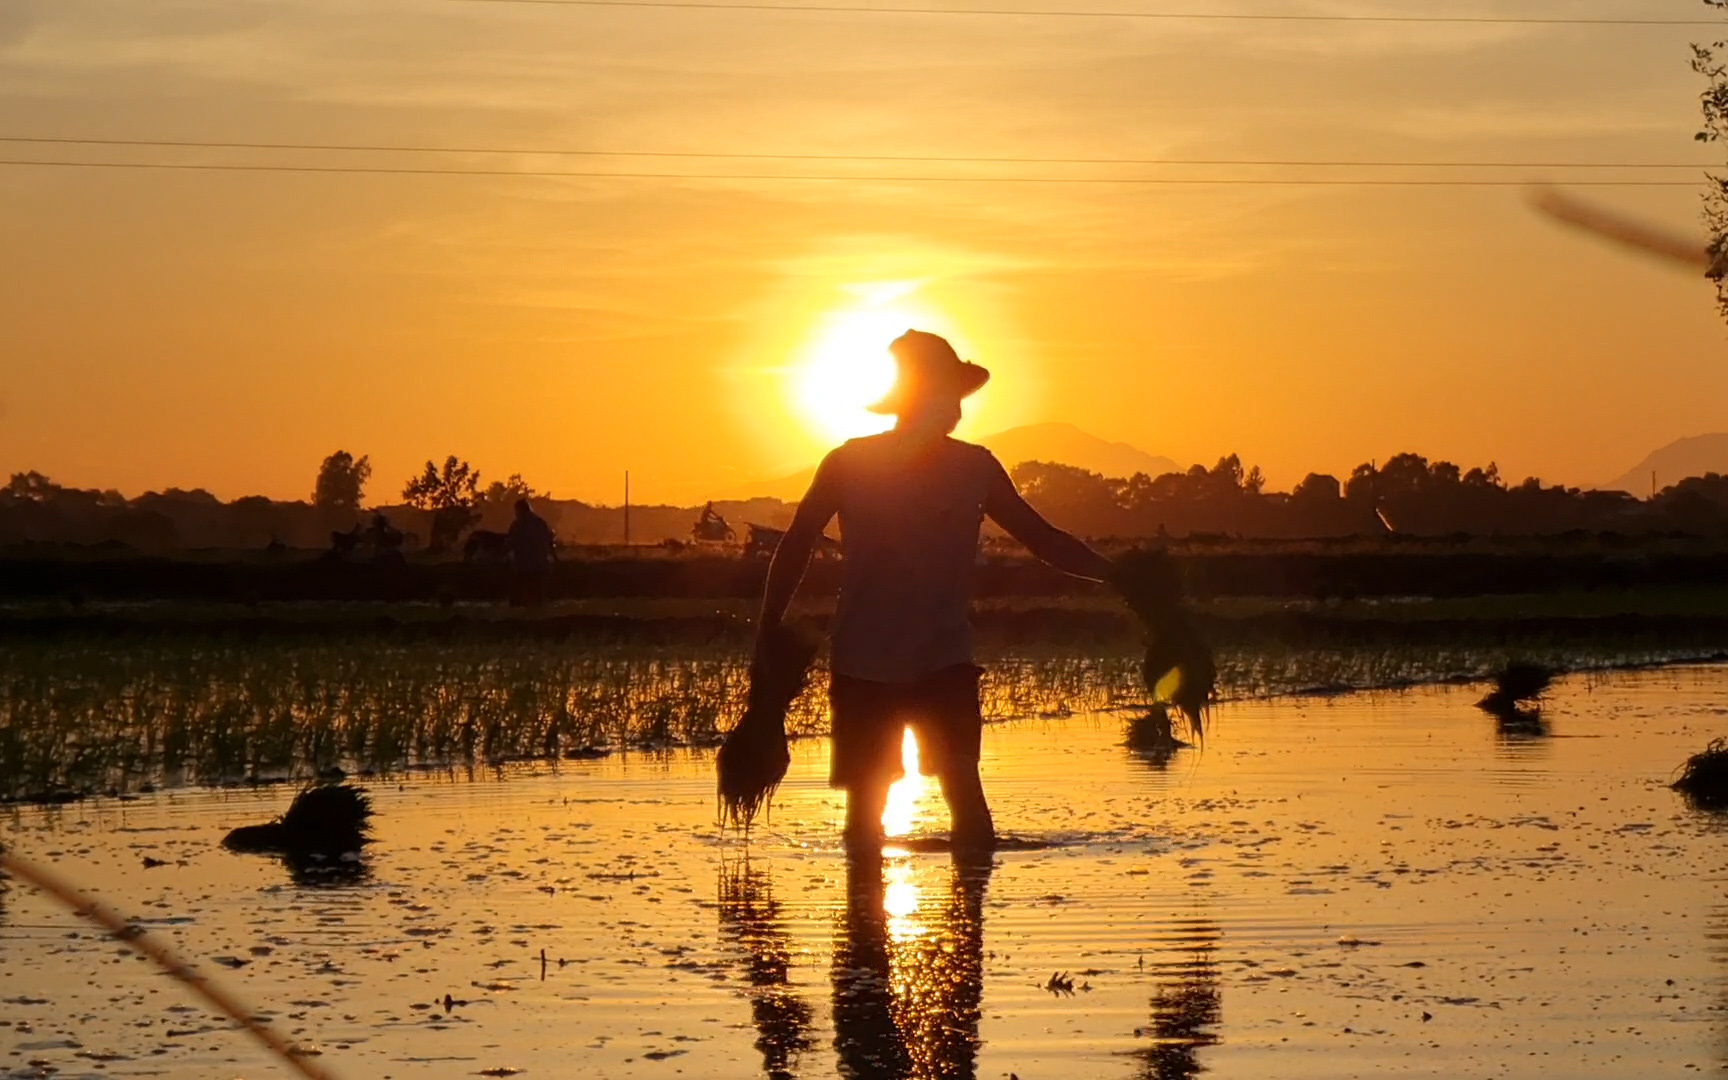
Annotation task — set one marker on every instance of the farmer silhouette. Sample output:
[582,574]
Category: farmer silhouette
[532,546]
[911,503]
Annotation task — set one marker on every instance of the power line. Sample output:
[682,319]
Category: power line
[835,177]
[1168,16]
[200,144]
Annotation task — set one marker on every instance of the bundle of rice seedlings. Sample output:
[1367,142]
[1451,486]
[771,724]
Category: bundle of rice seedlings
[329,820]
[1153,733]
[1177,667]
[1519,687]
[753,759]
[1704,777]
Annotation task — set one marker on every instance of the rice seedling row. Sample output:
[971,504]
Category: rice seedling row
[117,716]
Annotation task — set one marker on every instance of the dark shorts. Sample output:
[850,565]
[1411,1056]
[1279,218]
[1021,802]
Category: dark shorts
[941,708]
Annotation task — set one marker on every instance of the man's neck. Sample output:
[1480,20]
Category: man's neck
[915,434]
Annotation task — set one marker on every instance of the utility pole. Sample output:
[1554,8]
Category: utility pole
[626,507]
[1652,483]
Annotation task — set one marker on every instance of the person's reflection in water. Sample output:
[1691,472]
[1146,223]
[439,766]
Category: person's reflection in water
[909,979]
[1186,1008]
[751,916]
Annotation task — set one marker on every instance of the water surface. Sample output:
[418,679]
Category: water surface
[1367,885]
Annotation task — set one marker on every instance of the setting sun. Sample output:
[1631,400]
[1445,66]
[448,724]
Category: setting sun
[846,366]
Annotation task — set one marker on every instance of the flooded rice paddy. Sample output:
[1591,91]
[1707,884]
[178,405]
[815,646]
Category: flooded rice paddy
[89,715]
[1366,885]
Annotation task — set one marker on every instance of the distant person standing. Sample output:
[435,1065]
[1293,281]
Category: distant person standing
[911,503]
[386,540]
[531,543]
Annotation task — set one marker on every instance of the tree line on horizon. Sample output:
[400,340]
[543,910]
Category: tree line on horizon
[1408,494]
[435,507]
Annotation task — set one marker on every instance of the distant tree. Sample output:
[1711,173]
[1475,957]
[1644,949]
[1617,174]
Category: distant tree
[30,486]
[456,483]
[450,494]
[1696,504]
[254,518]
[1711,486]
[504,493]
[1484,478]
[179,499]
[1138,491]
[1403,474]
[1363,484]
[1711,61]
[1054,483]
[342,482]
[1254,481]
[1318,487]
[1076,498]
[1228,478]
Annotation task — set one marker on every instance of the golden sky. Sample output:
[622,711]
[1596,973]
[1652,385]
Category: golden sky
[228,329]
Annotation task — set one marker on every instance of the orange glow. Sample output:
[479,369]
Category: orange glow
[569,318]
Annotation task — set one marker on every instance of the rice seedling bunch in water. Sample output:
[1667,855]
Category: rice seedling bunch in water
[753,759]
[328,819]
[1178,668]
[1151,732]
[1704,777]
[1517,688]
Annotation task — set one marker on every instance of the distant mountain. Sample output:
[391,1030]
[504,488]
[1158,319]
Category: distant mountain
[1068,445]
[1673,463]
[1062,443]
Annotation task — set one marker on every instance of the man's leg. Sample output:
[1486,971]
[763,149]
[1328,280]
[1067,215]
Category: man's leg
[865,802]
[969,813]
[951,744]
[866,758]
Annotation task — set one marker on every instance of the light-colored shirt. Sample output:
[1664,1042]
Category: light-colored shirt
[909,524]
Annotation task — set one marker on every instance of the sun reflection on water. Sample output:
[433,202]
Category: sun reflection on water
[901,813]
[900,896]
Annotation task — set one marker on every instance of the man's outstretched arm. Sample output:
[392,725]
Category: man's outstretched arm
[792,556]
[1064,551]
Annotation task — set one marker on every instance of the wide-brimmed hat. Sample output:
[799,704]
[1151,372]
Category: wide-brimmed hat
[928,366]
